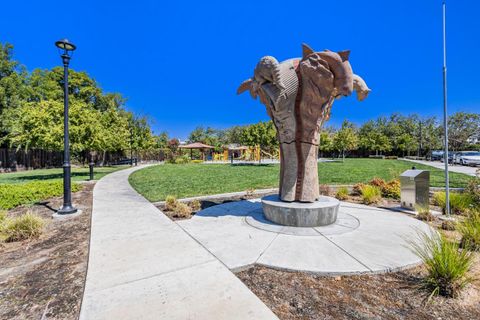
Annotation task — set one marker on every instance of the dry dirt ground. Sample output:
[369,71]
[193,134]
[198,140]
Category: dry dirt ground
[295,295]
[44,278]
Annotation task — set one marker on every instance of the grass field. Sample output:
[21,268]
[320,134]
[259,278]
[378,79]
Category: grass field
[156,182]
[78,174]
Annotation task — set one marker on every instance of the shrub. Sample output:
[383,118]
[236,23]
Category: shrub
[377,182]
[170,203]
[196,205]
[447,266]
[473,189]
[470,231]
[389,189]
[324,189]
[448,225]
[371,194]
[13,195]
[24,227]
[392,189]
[460,203]
[357,189]
[342,193]
[182,160]
[182,210]
[424,213]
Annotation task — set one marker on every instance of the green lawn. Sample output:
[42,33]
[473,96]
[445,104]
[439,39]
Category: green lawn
[156,182]
[78,174]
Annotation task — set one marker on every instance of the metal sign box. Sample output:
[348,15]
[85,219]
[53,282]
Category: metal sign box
[414,188]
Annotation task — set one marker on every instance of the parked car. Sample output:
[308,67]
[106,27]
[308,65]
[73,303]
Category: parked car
[451,156]
[468,158]
[436,155]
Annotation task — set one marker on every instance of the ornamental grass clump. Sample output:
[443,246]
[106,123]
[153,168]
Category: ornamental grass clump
[371,194]
[182,210]
[460,203]
[24,227]
[469,228]
[170,203]
[424,213]
[342,193]
[447,265]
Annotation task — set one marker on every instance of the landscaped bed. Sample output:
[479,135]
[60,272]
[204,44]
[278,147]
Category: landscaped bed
[43,278]
[296,295]
[157,182]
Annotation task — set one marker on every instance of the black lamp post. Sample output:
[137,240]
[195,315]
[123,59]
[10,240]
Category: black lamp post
[66,48]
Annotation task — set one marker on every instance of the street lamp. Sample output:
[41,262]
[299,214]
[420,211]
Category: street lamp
[66,50]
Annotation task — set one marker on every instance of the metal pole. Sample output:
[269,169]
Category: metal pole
[445,114]
[67,191]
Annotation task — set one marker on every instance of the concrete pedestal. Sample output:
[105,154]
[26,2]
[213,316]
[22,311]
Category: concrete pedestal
[299,214]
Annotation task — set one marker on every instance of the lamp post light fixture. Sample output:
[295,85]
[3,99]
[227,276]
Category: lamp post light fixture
[66,49]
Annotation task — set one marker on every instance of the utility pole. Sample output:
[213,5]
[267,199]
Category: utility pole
[445,114]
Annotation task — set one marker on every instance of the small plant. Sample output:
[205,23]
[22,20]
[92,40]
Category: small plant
[357,189]
[473,188]
[170,203]
[324,189]
[470,231]
[342,193]
[448,225]
[447,266]
[182,210]
[424,213]
[392,189]
[24,227]
[3,220]
[460,203]
[371,194]
[196,205]
[249,193]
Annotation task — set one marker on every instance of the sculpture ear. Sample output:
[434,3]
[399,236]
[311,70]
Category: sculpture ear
[306,50]
[246,85]
[344,54]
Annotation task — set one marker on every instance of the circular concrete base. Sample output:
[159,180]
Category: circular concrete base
[301,214]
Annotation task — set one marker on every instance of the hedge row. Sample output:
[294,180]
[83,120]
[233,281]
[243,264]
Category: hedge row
[13,195]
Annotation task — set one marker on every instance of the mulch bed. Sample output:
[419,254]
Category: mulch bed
[297,295]
[44,278]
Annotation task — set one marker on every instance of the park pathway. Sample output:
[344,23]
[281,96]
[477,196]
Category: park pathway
[144,266]
[451,168]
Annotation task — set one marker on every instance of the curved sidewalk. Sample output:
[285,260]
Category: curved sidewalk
[144,266]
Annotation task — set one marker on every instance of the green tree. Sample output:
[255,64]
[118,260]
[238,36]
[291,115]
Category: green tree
[371,138]
[325,141]
[345,138]
[462,127]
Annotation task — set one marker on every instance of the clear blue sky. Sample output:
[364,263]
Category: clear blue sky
[181,62]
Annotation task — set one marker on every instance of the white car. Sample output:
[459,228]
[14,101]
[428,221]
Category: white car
[468,158]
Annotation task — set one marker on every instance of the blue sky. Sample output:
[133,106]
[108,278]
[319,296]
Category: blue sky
[180,62]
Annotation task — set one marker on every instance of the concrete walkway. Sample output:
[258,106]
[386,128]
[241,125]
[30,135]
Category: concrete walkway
[144,266]
[451,167]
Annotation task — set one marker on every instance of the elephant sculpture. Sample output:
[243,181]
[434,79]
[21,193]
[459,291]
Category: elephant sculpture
[298,95]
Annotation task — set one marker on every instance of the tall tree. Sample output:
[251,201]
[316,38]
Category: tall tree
[346,138]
